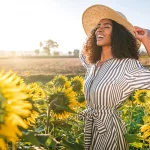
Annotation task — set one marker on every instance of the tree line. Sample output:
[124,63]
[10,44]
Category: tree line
[47,47]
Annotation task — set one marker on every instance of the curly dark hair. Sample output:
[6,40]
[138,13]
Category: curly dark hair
[123,45]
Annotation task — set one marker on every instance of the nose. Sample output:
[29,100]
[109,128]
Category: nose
[98,29]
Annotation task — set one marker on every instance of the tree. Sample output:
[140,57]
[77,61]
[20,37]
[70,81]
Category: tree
[69,52]
[46,50]
[49,44]
[37,51]
[76,52]
[56,53]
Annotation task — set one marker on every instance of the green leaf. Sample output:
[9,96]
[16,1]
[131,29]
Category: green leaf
[72,146]
[31,138]
[80,139]
[62,124]
[42,138]
[137,144]
[48,142]
[131,138]
[40,129]
[65,108]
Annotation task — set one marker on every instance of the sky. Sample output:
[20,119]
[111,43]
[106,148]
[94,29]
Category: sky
[26,23]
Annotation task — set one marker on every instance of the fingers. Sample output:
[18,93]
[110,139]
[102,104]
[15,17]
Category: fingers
[136,34]
[140,30]
[136,27]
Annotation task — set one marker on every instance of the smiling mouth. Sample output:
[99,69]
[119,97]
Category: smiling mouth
[100,37]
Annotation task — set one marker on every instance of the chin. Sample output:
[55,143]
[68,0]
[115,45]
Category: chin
[100,44]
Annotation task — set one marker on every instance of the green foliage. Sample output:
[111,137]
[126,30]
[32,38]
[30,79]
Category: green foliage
[132,114]
[53,133]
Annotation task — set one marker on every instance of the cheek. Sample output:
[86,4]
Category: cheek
[109,35]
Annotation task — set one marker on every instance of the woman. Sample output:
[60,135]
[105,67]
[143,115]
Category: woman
[110,56]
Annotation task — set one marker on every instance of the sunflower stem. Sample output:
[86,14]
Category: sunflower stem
[48,118]
[13,146]
[130,110]
[54,148]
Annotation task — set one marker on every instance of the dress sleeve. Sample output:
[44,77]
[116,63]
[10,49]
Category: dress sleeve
[137,76]
[83,60]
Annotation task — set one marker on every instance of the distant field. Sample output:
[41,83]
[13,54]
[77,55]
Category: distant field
[43,69]
[43,66]
[145,60]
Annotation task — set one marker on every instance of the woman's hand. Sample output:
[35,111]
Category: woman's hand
[143,35]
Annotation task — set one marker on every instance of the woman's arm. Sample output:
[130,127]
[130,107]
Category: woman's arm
[144,36]
[83,60]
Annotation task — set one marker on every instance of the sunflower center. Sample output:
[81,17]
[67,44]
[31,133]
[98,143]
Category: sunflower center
[142,97]
[59,104]
[76,85]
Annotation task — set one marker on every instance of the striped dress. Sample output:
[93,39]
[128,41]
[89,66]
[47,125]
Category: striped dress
[105,90]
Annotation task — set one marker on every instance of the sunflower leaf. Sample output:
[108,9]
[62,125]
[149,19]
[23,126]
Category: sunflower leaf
[132,138]
[72,146]
[39,129]
[31,138]
[63,125]
[65,108]
[137,144]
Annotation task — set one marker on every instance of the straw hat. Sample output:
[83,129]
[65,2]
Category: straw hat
[95,13]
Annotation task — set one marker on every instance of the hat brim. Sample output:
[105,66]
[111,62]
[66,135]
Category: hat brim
[95,13]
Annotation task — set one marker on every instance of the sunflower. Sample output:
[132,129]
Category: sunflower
[148,96]
[77,84]
[61,81]
[146,132]
[31,120]
[62,102]
[36,98]
[140,96]
[20,80]
[13,108]
[146,119]
[147,108]
[50,84]
[81,100]
[148,140]
[35,91]
[148,92]
[145,127]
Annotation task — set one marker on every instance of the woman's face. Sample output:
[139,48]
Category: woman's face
[103,32]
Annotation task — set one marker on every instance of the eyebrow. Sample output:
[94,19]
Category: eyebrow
[106,24]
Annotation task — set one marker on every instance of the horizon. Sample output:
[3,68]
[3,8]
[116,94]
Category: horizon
[26,23]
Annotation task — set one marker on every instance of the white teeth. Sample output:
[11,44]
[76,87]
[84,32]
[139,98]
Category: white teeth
[101,36]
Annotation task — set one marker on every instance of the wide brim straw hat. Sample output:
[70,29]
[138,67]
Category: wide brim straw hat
[95,13]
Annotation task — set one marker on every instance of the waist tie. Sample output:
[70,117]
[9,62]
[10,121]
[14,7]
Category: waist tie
[100,118]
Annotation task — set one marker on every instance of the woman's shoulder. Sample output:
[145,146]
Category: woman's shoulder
[130,60]
[132,63]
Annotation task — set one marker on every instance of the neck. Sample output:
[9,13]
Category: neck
[106,53]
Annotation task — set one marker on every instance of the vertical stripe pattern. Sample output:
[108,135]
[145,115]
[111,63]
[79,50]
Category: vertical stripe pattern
[105,90]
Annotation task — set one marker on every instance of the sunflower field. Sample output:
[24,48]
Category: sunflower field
[37,116]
